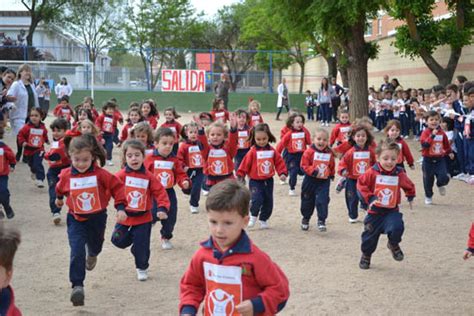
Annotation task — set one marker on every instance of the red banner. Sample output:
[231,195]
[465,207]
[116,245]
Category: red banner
[183,80]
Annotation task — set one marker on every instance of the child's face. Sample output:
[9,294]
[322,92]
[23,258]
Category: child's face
[58,133]
[470,100]
[192,133]
[226,227]
[344,118]
[146,109]
[109,111]
[165,145]
[63,103]
[360,138]
[432,122]
[134,117]
[413,93]
[82,116]
[393,132]
[216,136]
[444,125]
[82,160]
[85,129]
[297,123]
[169,116]
[441,96]
[134,158]
[253,109]
[206,121]
[261,139]
[87,106]
[5,277]
[221,105]
[143,137]
[320,140]
[8,79]
[35,117]
[242,119]
[388,159]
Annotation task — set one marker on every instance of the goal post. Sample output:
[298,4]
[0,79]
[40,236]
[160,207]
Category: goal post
[80,75]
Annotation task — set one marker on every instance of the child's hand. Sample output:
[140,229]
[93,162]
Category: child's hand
[345,173]
[59,203]
[451,156]
[233,120]
[162,215]
[185,168]
[185,184]
[121,216]
[283,177]
[23,145]
[412,167]
[434,132]
[467,254]
[245,308]
[102,141]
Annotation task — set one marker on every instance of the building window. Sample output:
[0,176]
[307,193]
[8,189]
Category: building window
[379,26]
[368,28]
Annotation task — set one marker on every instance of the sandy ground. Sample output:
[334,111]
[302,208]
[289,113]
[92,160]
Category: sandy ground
[322,267]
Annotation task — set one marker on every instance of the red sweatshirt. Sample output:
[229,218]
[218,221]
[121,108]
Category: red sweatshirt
[295,141]
[260,163]
[34,137]
[405,153]
[191,154]
[125,132]
[222,115]
[66,112]
[95,114]
[219,159]
[118,116]
[141,188]
[470,242]
[318,163]
[434,146]
[89,192]
[356,161]
[254,276]
[285,129]
[7,300]
[152,120]
[175,127]
[255,119]
[168,170]
[383,187]
[57,156]
[243,137]
[7,159]
[340,133]
[106,123]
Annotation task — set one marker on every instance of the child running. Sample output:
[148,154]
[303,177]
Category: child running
[243,133]
[392,131]
[254,112]
[58,160]
[318,165]
[144,133]
[168,170]
[7,165]
[171,117]
[107,124]
[229,273]
[260,165]
[134,117]
[355,162]
[32,137]
[380,188]
[150,113]
[64,109]
[9,241]
[141,188]
[218,111]
[88,189]
[340,132]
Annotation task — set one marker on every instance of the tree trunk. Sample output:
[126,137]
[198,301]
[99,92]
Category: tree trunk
[344,76]
[302,69]
[332,67]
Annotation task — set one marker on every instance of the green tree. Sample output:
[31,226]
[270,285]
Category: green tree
[422,33]
[45,11]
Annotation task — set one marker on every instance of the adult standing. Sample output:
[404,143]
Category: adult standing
[63,88]
[221,89]
[386,85]
[283,98]
[325,96]
[43,92]
[395,84]
[23,89]
[336,99]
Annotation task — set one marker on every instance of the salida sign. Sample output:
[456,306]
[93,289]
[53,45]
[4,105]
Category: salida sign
[177,80]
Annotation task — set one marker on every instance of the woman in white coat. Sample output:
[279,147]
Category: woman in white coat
[23,89]
[283,98]
[63,88]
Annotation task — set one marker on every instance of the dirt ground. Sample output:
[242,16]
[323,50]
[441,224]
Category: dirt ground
[322,267]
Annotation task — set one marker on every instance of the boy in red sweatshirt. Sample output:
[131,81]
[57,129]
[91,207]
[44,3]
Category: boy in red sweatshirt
[7,165]
[340,132]
[380,188]
[9,241]
[229,273]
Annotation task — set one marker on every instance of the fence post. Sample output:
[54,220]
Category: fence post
[25,53]
[270,73]
[211,70]
[148,69]
[87,67]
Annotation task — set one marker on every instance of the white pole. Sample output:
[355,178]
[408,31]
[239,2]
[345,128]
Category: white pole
[92,83]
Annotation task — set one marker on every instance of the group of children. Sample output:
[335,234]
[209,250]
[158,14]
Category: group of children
[206,155]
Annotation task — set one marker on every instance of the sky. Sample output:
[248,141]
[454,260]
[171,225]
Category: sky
[200,5]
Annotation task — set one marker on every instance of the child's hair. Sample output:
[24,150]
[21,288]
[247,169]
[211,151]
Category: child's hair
[59,123]
[343,111]
[291,119]
[2,131]
[162,132]
[215,103]
[432,114]
[137,111]
[172,110]
[134,104]
[453,87]
[205,115]
[81,110]
[449,123]
[385,144]
[142,127]
[256,104]
[308,92]
[239,112]
[88,100]
[152,104]
[89,143]
[95,130]
[228,196]
[10,238]
[321,130]
[391,123]
[218,125]
[65,98]
[388,92]
[364,120]
[9,71]
[132,143]
[262,127]
[470,91]
[38,110]
[357,128]
[109,104]
[186,128]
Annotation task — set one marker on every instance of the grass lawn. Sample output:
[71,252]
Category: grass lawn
[194,102]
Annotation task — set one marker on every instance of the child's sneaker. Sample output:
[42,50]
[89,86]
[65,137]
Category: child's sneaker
[321,226]
[428,201]
[397,253]
[353,220]
[77,296]
[205,192]
[194,209]
[305,224]
[252,221]
[460,176]
[39,183]
[9,212]
[142,275]
[364,263]
[292,193]
[470,180]
[264,225]
[2,215]
[109,163]
[91,262]
[56,218]
[442,190]
[283,182]
[166,244]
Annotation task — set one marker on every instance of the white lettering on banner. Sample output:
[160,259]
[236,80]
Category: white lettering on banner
[36,131]
[217,153]
[183,80]
[194,149]
[438,138]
